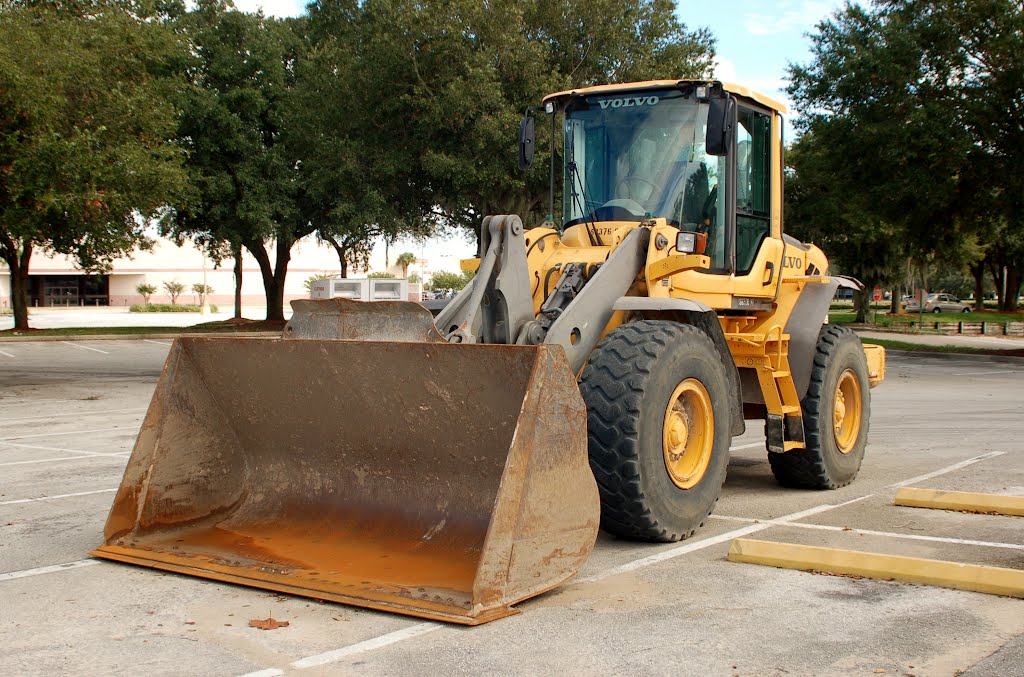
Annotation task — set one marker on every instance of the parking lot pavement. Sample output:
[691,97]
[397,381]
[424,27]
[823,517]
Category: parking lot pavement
[120,316]
[69,416]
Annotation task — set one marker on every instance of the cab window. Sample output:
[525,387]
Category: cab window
[753,186]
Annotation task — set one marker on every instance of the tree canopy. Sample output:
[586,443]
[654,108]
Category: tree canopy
[87,156]
[911,138]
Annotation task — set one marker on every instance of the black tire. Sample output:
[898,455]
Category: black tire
[937,310]
[627,385]
[965,310]
[822,464]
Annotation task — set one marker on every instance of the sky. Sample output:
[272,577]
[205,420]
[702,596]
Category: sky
[756,41]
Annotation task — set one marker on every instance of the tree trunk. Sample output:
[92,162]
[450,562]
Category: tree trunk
[978,273]
[1013,282]
[895,301]
[995,268]
[238,281]
[340,251]
[19,287]
[275,311]
[17,259]
[860,304]
[259,253]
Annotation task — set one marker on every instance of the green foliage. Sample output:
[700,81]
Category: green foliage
[413,278]
[168,308]
[405,259]
[912,130]
[308,283]
[145,290]
[85,124]
[203,290]
[233,124]
[174,290]
[384,275]
[434,92]
[445,281]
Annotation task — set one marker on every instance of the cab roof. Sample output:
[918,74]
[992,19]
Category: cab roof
[738,90]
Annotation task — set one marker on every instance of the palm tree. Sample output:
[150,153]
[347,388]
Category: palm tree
[405,260]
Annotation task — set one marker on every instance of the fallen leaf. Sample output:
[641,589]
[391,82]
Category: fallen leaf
[190,622]
[267,623]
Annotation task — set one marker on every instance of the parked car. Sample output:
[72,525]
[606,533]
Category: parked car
[939,303]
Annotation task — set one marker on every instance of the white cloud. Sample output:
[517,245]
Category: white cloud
[725,69]
[790,16]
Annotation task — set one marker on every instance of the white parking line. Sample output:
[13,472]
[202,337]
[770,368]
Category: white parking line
[79,414]
[872,532]
[47,570]
[80,457]
[986,373]
[39,447]
[159,343]
[70,432]
[947,469]
[423,628]
[5,353]
[692,546]
[368,645]
[95,350]
[747,446]
[52,498]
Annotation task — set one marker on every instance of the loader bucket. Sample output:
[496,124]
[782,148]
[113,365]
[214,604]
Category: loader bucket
[426,478]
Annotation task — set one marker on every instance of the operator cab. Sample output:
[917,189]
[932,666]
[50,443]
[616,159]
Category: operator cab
[648,150]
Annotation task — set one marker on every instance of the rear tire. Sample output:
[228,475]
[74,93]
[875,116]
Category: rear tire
[836,412]
[656,394]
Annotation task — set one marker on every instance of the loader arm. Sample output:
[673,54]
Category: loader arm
[497,306]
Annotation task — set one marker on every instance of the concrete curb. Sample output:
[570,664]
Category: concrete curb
[941,356]
[136,337]
[945,574]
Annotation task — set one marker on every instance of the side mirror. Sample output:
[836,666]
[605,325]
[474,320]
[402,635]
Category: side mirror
[721,114]
[527,143]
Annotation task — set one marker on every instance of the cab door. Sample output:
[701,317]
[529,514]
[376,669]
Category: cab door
[758,246]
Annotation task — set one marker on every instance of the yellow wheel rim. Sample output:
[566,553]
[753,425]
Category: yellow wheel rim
[689,434]
[846,412]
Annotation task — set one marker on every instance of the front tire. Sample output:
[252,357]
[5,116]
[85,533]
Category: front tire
[836,410]
[659,429]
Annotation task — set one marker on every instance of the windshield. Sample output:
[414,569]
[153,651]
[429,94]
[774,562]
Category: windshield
[639,153]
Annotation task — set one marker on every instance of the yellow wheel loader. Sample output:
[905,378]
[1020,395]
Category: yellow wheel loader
[593,373]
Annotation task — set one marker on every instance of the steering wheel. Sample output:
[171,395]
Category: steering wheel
[626,203]
[626,181]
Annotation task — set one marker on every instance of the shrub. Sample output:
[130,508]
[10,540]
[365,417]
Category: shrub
[174,290]
[145,290]
[203,290]
[168,308]
[308,284]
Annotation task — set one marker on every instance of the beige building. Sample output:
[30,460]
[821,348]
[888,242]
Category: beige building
[55,281]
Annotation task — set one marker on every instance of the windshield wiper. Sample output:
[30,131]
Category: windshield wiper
[592,231]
